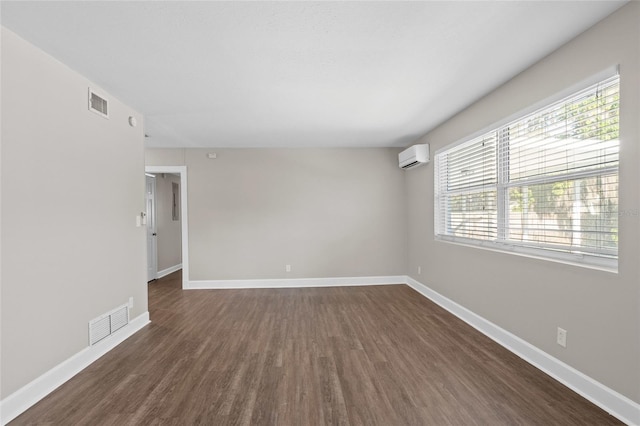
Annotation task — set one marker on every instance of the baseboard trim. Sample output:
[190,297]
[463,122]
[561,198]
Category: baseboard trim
[296,282]
[606,398]
[25,397]
[168,271]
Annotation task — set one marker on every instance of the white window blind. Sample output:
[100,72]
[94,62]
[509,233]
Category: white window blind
[545,183]
[469,172]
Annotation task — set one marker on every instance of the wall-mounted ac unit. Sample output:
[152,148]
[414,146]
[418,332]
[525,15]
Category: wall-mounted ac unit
[414,156]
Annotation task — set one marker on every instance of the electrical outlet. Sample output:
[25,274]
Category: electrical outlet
[131,303]
[419,270]
[562,337]
[287,268]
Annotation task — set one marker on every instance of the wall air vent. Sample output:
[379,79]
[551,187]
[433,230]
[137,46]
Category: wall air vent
[98,104]
[107,324]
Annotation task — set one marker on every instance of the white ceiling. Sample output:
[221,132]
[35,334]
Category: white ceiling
[289,74]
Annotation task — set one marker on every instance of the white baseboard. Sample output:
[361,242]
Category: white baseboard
[168,271]
[19,401]
[297,282]
[609,400]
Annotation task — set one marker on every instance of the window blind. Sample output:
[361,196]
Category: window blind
[469,195]
[547,181]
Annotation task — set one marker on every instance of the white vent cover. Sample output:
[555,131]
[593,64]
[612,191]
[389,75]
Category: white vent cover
[106,324]
[99,328]
[98,103]
[119,318]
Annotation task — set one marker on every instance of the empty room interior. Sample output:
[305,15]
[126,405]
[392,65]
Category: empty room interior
[292,213]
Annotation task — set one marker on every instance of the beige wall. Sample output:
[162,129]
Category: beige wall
[164,157]
[528,297]
[169,233]
[325,212]
[72,185]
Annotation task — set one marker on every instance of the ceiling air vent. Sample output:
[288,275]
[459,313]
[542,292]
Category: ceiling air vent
[98,103]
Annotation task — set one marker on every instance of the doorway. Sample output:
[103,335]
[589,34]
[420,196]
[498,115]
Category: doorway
[178,211]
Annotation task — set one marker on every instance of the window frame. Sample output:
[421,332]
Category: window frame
[502,187]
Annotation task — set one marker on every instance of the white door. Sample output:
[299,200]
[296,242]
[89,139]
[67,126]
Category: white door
[152,246]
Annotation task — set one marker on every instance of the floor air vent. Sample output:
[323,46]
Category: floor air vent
[98,104]
[106,324]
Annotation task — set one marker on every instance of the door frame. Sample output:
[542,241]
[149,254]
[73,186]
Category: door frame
[184,216]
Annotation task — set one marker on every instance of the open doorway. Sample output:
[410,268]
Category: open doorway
[167,222]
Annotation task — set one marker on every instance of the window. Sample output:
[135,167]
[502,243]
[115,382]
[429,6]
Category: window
[545,184]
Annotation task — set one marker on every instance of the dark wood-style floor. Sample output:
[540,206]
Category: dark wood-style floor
[380,355]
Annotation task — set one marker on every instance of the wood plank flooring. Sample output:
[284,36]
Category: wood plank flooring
[379,355]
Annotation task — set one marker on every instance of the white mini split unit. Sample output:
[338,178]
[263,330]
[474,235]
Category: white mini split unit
[414,156]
